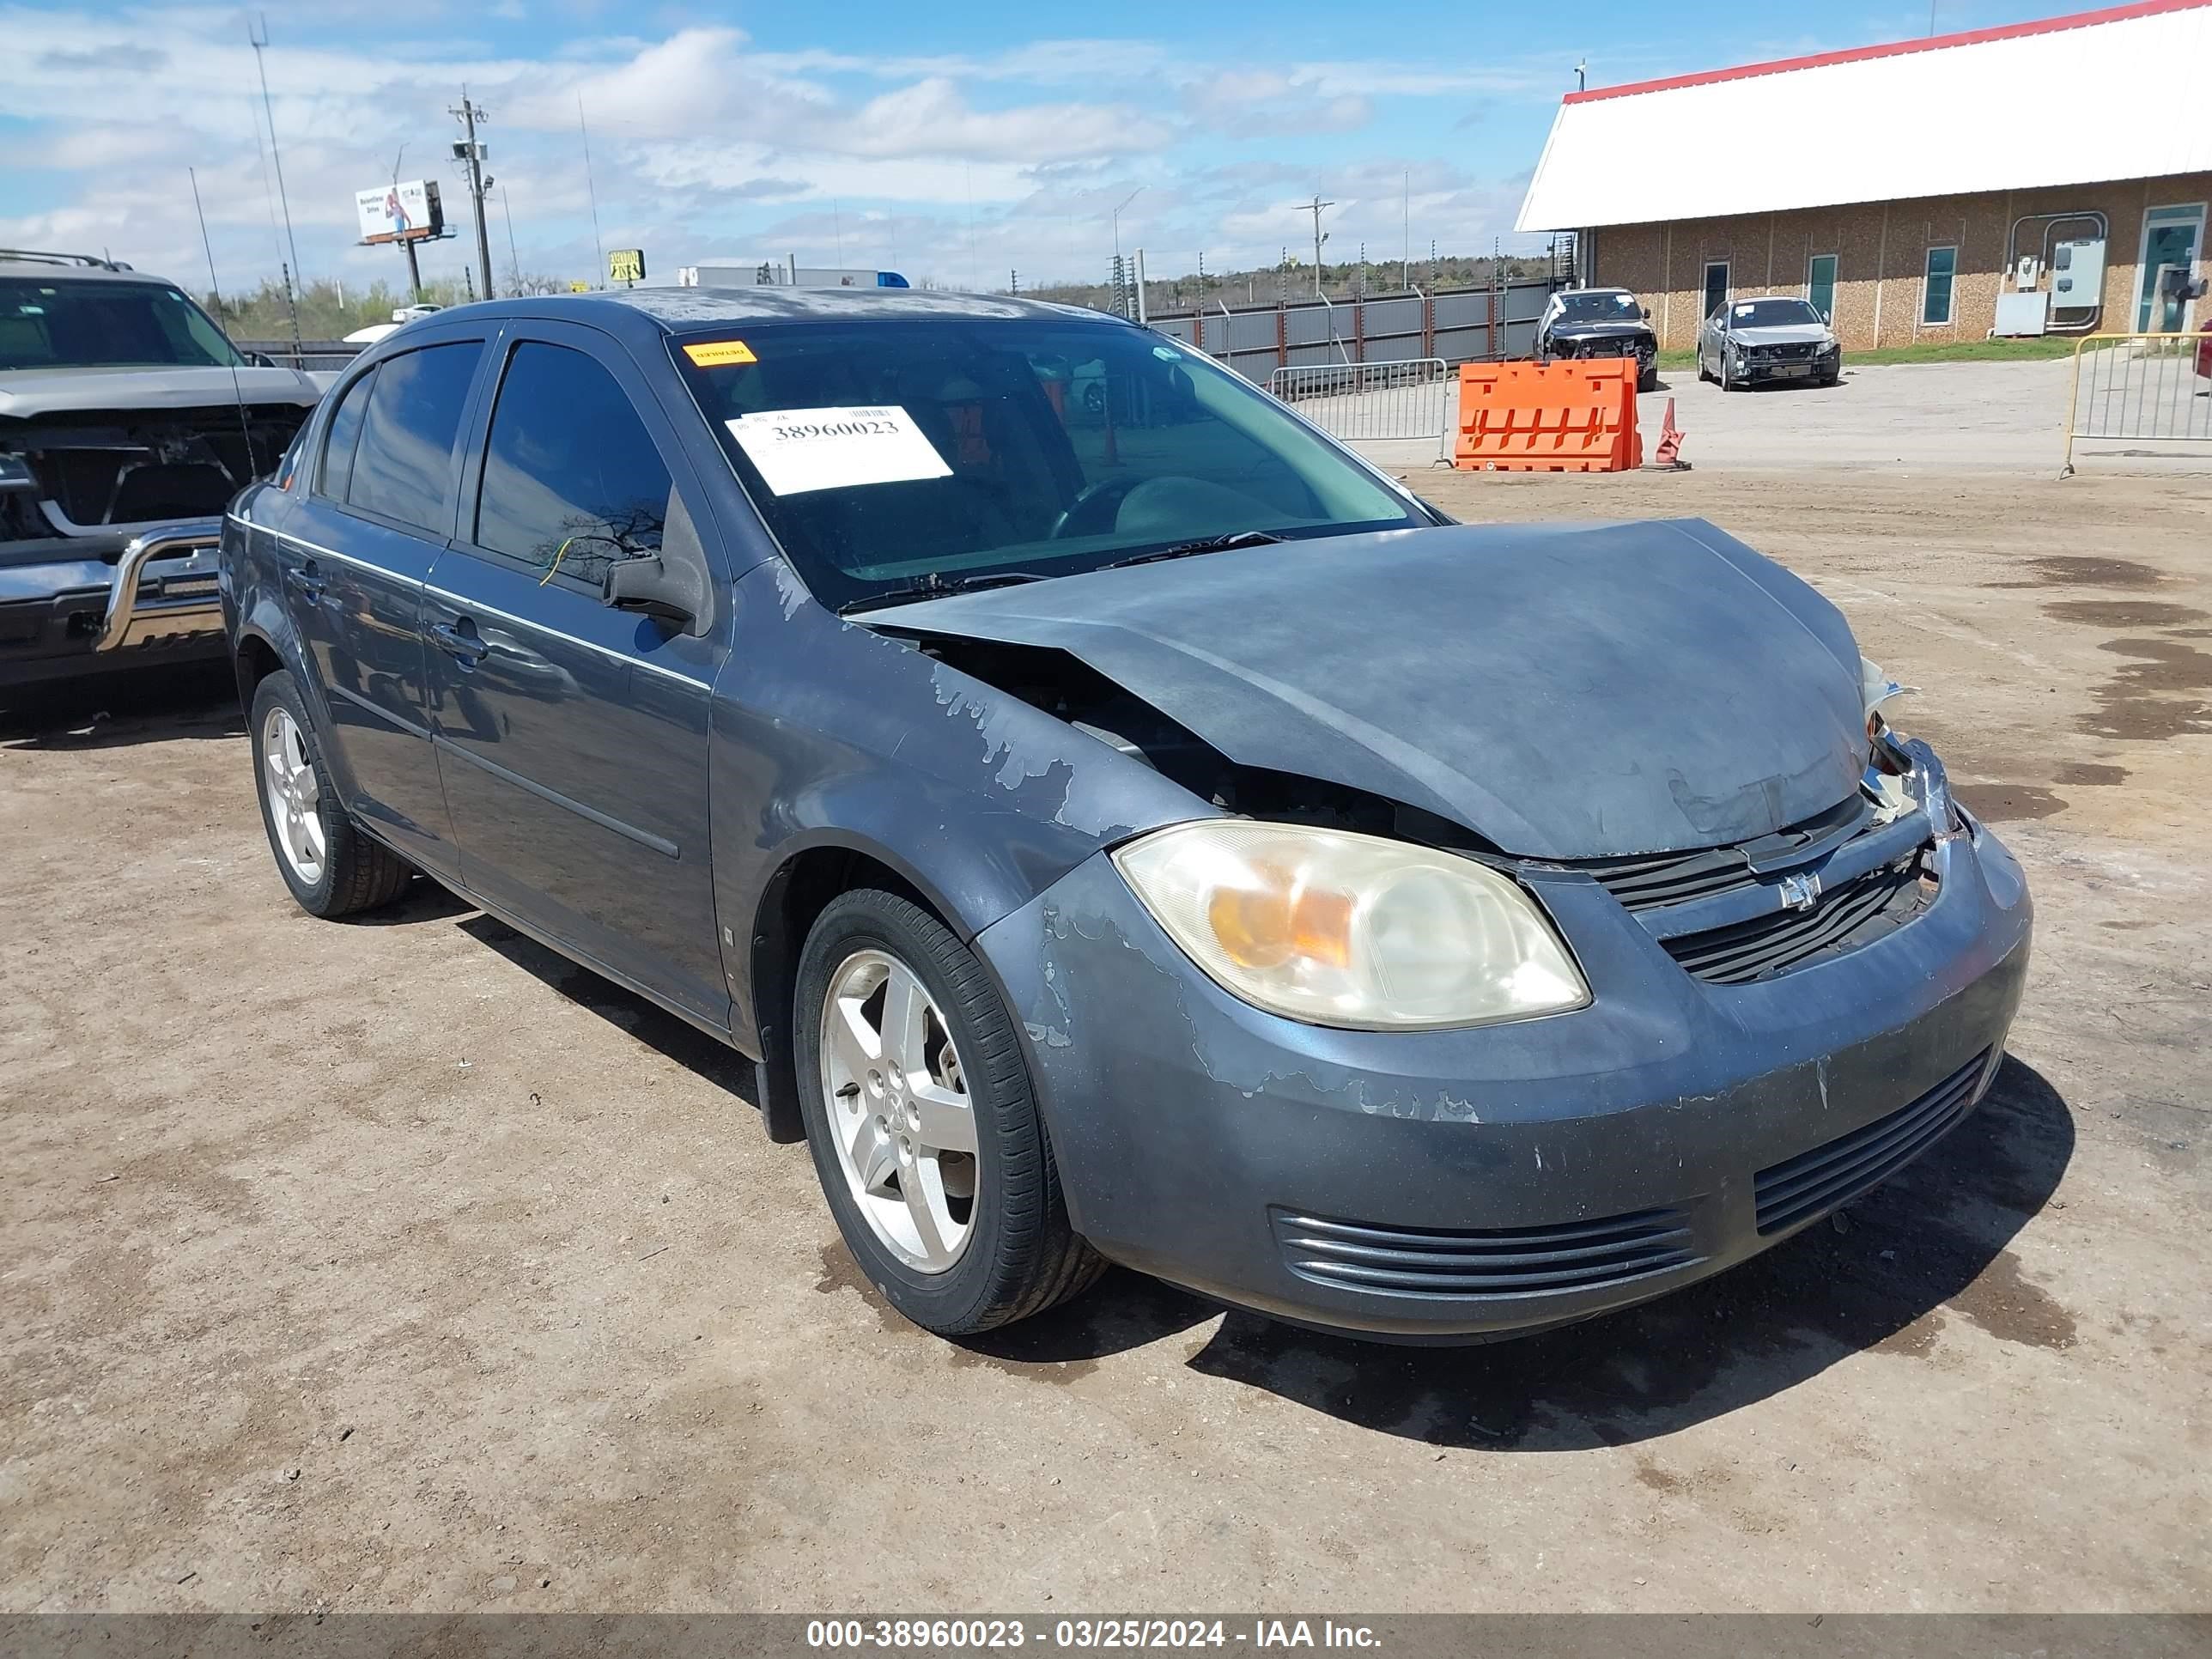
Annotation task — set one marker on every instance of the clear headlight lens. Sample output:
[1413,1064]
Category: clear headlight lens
[1336,929]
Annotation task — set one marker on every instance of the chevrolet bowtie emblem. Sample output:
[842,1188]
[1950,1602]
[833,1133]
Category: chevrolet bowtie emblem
[1799,892]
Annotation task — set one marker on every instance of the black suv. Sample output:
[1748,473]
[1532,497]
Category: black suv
[1601,322]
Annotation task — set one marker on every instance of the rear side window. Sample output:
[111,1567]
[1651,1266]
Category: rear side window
[572,480]
[403,467]
[342,438]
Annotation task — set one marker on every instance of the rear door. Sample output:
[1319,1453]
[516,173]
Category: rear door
[571,736]
[380,506]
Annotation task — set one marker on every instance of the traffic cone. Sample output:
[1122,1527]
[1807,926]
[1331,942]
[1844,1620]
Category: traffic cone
[1668,458]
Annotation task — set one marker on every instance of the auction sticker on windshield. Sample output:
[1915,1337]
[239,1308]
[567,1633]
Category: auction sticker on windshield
[801,449]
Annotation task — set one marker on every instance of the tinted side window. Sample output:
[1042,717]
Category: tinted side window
[572,481]
[403,467]
[342,438]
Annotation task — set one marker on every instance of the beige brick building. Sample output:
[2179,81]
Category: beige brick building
[1901,188]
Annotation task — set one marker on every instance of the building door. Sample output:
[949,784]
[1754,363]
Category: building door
[2170,241]
[1820,286]
[1717,287]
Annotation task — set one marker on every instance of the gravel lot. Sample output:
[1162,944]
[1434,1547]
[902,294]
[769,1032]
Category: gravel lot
[402,1265]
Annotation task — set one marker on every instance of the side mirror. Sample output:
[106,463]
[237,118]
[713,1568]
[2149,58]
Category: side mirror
[260,360]
[653,587]
[1647,313]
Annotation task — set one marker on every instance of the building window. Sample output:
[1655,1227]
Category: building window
[1717,285]
[1935,290]
[1820,285]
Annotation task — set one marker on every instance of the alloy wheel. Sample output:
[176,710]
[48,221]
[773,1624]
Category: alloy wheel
[294,795]
[899,1113]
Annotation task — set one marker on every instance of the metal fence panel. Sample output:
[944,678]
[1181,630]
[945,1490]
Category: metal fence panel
[1370,402]
[2141,388]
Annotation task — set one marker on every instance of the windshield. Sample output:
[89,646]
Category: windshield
[891,453]
[56,323]
[1600,308]
[1772,313]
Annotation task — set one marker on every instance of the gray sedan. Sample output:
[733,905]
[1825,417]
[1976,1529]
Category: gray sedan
[1770,337]
[1158,838]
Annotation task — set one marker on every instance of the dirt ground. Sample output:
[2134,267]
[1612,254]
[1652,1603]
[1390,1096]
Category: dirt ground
[403,1266]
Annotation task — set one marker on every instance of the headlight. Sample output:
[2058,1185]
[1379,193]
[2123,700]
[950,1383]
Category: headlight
[1348,930]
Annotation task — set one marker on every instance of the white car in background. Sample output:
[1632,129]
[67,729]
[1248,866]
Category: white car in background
[374,332]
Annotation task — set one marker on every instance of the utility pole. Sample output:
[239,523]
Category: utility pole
[1582,69]
[468,114]
[257,36]
[1314,208]
[1405,234]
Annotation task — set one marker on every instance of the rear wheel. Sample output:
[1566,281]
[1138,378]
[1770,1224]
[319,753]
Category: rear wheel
[333,869]
[922,1124]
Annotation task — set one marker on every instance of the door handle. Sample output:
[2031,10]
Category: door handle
[304,580]
[460,640]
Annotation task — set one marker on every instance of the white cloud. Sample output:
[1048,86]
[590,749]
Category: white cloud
[699,141]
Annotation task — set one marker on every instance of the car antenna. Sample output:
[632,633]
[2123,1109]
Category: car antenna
[214,287]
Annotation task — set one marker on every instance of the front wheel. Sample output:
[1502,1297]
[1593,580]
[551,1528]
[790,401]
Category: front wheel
[922,1123]
[332,868]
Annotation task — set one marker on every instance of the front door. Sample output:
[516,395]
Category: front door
[2170,239]
[355,555]
[571,736]
[1717,287]
[1820,286]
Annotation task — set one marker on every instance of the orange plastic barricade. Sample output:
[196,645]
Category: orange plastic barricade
[1548,417]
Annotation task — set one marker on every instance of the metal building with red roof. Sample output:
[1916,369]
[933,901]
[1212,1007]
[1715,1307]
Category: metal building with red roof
[2045,176]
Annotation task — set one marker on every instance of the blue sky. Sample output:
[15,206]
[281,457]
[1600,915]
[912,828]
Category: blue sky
[951,140]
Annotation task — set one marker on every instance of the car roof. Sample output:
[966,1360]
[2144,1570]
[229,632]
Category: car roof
[57,270]
[1564,292]
[634,313]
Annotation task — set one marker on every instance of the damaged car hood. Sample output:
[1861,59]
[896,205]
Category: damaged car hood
[28,392]
[1781,334]
[1565,691]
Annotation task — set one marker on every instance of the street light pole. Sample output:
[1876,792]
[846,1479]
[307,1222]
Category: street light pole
[472,153]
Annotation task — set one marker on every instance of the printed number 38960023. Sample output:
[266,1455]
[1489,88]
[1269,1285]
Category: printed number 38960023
[835,429]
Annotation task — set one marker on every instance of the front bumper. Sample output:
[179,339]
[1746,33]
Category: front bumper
[157,602]
[1755,371]
[1459,1184]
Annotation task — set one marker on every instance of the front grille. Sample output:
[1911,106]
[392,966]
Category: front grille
[1665,879]
[1856,914]
[1795,352]
[1519,1261]
[1827,1177]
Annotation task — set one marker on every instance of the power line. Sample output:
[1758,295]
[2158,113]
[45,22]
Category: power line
[591,190]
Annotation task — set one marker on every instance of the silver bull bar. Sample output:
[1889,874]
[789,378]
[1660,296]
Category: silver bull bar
[143,609]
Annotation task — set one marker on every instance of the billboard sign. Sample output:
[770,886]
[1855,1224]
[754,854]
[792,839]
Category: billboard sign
[625,264]
[407,212]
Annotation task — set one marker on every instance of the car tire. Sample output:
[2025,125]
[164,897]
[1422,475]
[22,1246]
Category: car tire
[333,869]
[1649,379]
[1704,376]
[1016,1254]
[1728,383]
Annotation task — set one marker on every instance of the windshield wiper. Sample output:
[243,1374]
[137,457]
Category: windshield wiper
[1203,544]
[935,585]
